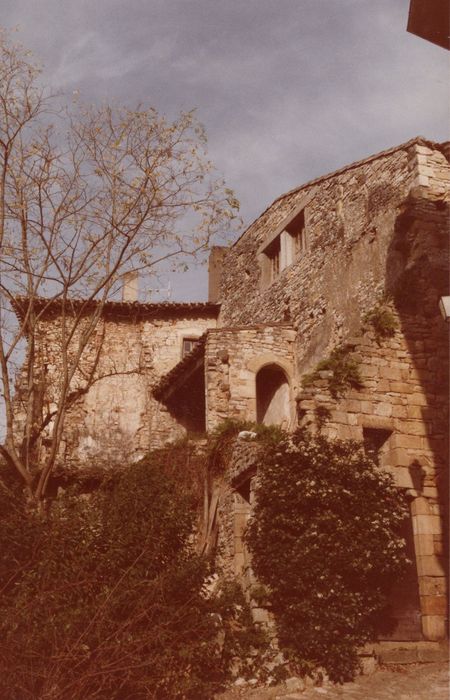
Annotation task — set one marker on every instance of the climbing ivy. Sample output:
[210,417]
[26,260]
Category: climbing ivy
[325,541]
[343,368]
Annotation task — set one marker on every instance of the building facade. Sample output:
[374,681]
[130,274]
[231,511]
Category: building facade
[307,284]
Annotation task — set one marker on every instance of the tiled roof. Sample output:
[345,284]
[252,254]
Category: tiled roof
[124,309]
[183,367]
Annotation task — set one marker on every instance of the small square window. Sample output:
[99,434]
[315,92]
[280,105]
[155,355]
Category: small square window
[188,345]
[375,443]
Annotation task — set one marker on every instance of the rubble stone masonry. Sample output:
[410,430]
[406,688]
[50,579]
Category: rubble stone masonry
[375,233]
[117,419]
[296,285]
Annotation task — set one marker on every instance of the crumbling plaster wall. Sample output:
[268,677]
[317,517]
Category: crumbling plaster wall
[118,419]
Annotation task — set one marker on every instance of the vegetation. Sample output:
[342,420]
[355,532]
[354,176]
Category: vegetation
[106,598]
[222,438]
[382,320]
[343,368]
[99,193]
[325,541]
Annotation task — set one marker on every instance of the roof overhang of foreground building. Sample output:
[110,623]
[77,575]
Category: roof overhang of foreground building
[430,20]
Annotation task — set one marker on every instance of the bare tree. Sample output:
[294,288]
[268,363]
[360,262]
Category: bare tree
[111,194]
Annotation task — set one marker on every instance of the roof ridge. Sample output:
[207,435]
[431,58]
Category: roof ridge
[355,164]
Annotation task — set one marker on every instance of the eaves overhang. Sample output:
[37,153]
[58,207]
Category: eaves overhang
[176,379]
[119,310]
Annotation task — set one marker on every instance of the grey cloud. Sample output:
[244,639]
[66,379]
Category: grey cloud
[287,89]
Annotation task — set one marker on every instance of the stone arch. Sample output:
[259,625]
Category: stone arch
[273,396]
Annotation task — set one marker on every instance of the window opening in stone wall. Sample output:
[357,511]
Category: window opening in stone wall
[297,231]
[273,254]
[272,396]
[188,345]
[376,443]
[283,248]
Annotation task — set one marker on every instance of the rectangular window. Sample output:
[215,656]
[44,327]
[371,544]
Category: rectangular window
[297,232]
[375,443]
[273,253]
[188,345]
[286,244]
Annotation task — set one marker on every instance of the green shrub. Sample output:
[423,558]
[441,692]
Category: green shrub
[382,320]
[221,440]
[105,598]
[343,368]
[325,540]
[243,639]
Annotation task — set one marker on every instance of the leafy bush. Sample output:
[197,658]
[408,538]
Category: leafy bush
[343,368]
[382,320]
[105,598]
[325,541]
[221,440]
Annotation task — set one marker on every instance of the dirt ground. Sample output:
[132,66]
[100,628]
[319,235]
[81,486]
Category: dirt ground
[409,682]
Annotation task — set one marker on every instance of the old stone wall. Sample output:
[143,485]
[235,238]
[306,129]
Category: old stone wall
[376,234]
[233,357]
[348,261]
[117,419]
[401,412]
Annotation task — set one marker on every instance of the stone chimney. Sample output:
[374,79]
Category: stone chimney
[215,264]
[130,289]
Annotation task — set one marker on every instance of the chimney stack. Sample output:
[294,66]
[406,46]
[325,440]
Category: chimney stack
[130,289]
[215,266]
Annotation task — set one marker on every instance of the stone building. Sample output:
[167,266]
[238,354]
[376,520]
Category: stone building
[312,276]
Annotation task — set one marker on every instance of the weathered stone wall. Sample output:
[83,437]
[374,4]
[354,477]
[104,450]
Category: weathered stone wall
[233,357]
[375,229]
[350,220]
[118,419]
[235,508]
[405,397]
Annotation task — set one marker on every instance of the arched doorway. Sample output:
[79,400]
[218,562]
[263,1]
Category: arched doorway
[273,396]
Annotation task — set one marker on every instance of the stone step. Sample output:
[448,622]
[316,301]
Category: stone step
[409,652]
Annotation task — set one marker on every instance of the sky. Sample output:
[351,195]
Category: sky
[287,90]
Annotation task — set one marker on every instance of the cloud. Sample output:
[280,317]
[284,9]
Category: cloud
[287,89]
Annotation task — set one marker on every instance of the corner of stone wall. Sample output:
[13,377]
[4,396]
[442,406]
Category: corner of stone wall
[431,171]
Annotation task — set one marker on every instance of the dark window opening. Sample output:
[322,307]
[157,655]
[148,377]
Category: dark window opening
[273,253]
[297,231]
[375,442]
[188,345]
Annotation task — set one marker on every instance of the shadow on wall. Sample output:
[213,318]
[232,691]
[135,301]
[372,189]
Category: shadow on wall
[416,278]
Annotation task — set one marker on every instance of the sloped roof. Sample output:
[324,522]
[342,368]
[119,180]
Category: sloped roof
[119,309]
[183,369]
[417,140]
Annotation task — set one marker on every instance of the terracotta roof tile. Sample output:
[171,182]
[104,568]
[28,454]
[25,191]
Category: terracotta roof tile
[120,308]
